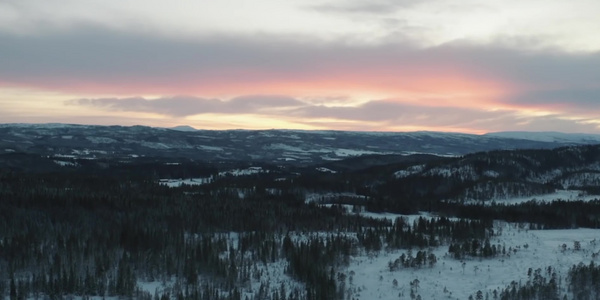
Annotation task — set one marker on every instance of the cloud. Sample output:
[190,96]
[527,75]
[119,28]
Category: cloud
[377,7]
[582,99]
[181,106]
[458,84]
[394,115]
[258,103]
[389,111]
[397,112]
[386,114]
[99,61]
[176,106]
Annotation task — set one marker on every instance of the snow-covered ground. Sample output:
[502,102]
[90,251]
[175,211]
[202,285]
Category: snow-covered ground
[325,170]
[391,216]
[565,195]
[187,181]
[368,275]
[409,171]
[210,148]
[316,197]
[242,172]
[372,279]
[351,152]
[549,136]
[63,163]
[177,182]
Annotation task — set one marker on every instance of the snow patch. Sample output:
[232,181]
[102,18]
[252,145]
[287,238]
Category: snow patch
[565,195]
[210,148]
[326,170]
[188,181]
[351,152]
[65,163]
[100,140]
[155,145]
[491,174]
[325,197]
[409,171]
[284,147]
[243,172]
[372,279]
[466,172]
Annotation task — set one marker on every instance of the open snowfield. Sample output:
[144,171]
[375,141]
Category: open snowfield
[372,278]
[369,277]
[187,181]
[564,195]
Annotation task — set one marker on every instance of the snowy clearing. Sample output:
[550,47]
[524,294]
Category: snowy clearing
[564,195]
[372,279]
[317,197]
[325,170]
[243,172]
[65,163]
[189,181]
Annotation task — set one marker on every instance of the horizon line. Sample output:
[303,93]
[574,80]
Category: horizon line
[192,128]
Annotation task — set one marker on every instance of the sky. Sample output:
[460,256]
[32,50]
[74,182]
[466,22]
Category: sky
[366,65]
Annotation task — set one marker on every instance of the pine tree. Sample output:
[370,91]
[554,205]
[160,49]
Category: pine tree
[13,289]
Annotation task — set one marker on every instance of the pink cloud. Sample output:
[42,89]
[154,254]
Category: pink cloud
[450,86]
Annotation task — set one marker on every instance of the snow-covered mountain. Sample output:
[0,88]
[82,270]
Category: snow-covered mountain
[549,136]
[498,175]
[274,146]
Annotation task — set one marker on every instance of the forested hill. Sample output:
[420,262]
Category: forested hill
[397,181]
[496,175]
[148,227]
[290,147]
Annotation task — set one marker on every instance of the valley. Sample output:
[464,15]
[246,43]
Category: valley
[117,219]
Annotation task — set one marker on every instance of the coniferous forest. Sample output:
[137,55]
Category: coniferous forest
[105,228]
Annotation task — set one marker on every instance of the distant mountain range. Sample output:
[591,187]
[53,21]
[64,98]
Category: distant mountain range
[550,136]
[288,147]
[417,165]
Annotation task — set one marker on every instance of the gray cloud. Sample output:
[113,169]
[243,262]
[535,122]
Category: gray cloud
[398,113]
[374,111]
[175,106]
[90,58]
[256,103]
[367,7]
[373,115]
[181,106]
[379,114]
[575,99]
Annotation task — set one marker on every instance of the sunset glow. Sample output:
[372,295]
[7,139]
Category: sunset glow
[341,65]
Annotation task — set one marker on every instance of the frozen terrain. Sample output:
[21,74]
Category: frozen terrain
[368,276]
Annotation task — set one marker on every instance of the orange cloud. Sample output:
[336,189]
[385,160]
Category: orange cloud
[451,87]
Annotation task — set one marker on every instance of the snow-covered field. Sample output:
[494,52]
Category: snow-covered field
[564,195]
[65,163]
[243,172]
[369,277]
[188,181]
[325,170]
[317,197]
[372,279]
[172,182]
